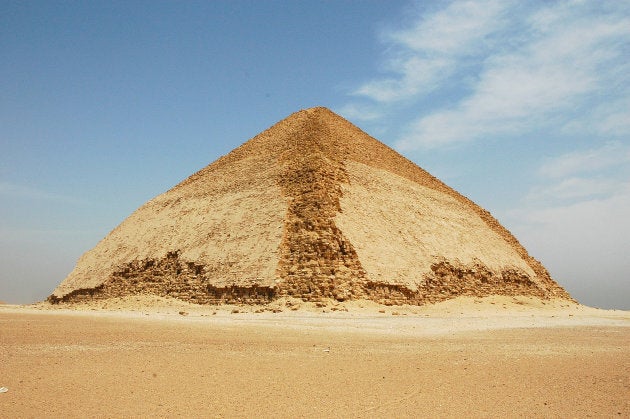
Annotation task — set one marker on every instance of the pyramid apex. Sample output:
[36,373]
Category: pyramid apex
[318,110]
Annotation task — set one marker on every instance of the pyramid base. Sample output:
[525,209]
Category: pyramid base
[176,278]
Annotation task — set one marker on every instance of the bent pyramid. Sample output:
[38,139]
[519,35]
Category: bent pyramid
[311,208]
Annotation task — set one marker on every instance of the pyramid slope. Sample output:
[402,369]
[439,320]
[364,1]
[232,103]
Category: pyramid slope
[314,208]
[414,226]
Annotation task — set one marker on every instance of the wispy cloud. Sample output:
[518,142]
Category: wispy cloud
[597,173]
[575,188]
[360,112]
[609,155]
[425,54]
[508,67]
[610,117]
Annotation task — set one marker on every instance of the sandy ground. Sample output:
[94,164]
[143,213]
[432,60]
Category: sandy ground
[496,357]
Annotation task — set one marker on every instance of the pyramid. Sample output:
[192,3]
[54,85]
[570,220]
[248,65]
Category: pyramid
[311,208]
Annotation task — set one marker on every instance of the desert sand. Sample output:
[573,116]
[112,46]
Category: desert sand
[490,357]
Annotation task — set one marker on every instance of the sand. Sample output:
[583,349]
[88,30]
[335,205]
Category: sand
[493,357]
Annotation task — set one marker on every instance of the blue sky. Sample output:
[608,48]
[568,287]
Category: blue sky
[524,107]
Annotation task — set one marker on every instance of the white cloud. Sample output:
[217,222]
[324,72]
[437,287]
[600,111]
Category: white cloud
[610,154]
[575,188]
[559,67]
[617,122]
[509,67]
[610,118]
[456,30]
[428,52]
[417,75]
[360,112]
[597,173]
